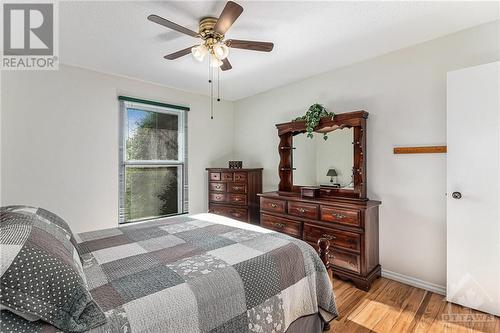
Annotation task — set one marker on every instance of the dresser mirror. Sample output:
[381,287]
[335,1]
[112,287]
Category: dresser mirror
[336,165]
[325,163]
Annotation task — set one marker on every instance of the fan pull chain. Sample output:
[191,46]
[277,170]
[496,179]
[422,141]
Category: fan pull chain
[218,84]
[211,82]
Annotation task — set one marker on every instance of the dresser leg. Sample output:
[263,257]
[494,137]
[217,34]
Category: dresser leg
[363,285]
[360,282]
[326,327]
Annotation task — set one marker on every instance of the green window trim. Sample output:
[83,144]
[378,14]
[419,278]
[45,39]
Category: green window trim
[144,101]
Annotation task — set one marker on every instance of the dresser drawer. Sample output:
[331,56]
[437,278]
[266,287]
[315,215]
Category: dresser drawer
[338,238]
[217,187]
[343,216]
[227,176]
[309,211]
[214,176]
[279,224]
[240,176]
[272,205]
[240,214]
[345,260]
[236,188]
[217,197]
[237,199]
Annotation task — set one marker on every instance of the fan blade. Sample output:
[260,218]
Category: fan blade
[250,45]
[226,65]
[226,19]
[178,54]
[174,26]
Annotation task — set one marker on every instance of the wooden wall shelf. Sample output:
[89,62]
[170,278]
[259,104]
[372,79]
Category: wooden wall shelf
[421,150]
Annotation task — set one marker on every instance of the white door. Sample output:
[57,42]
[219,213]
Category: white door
[473,186]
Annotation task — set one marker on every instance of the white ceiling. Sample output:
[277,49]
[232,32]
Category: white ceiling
[310,37]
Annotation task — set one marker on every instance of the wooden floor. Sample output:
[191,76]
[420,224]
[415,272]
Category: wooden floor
[391,306]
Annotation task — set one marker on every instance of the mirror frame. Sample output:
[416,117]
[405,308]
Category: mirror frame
[355,120]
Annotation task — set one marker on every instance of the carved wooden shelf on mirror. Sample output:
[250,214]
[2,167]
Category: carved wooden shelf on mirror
[343,215]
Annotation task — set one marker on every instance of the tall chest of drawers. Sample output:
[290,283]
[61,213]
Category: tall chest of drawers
[233,193]
[350,226]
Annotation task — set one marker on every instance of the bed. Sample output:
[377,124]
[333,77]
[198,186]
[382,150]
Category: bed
[200,273]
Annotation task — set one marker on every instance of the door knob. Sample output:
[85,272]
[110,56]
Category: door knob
[456,195]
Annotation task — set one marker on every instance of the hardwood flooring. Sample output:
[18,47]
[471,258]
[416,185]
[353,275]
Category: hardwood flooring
[394,307]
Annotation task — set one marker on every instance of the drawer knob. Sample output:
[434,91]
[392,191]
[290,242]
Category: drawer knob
[338,216]
[217,187]
[279,225]
[273,205]
[327,236]
[301,210]
[237,188]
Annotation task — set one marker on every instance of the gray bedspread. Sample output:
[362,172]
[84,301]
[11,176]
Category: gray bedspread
[202,273]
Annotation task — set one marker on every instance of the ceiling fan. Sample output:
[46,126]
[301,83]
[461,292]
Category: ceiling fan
[212,31]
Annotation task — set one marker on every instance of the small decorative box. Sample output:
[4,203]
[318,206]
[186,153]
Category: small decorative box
[235,164]
[309,192]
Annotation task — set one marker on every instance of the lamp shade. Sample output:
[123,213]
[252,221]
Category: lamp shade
[331,173]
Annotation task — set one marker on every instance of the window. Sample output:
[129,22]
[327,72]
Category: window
[153,163]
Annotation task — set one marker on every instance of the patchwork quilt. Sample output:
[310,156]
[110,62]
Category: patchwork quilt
[202,273]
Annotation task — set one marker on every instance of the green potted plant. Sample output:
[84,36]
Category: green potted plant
[312,118]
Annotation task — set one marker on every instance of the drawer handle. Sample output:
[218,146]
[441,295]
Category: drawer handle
[327,236]
[279,225]
[301,210]
[217,187]
[237,188]
[273,205]
[338,215]
[218,197]
[237,199]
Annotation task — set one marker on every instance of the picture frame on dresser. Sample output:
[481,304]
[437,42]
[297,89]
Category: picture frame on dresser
[343,218]
[234,193]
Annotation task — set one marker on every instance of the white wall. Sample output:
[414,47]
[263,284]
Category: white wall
[59,141]
[405,94]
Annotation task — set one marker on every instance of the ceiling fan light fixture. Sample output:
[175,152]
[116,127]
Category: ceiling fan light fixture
[212,31]
[221,51]
[199,52]
[214,61]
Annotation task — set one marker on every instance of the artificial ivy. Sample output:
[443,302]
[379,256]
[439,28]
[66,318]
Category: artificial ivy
[312,118]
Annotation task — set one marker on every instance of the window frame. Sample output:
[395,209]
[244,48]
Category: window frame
[181,163]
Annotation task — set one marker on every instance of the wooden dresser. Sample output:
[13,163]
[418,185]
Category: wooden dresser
[351,227]
[233,193]
[341,219]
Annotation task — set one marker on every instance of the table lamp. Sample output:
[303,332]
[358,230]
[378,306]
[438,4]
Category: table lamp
[332,173]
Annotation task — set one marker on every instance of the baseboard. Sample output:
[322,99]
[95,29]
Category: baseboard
[414,282]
